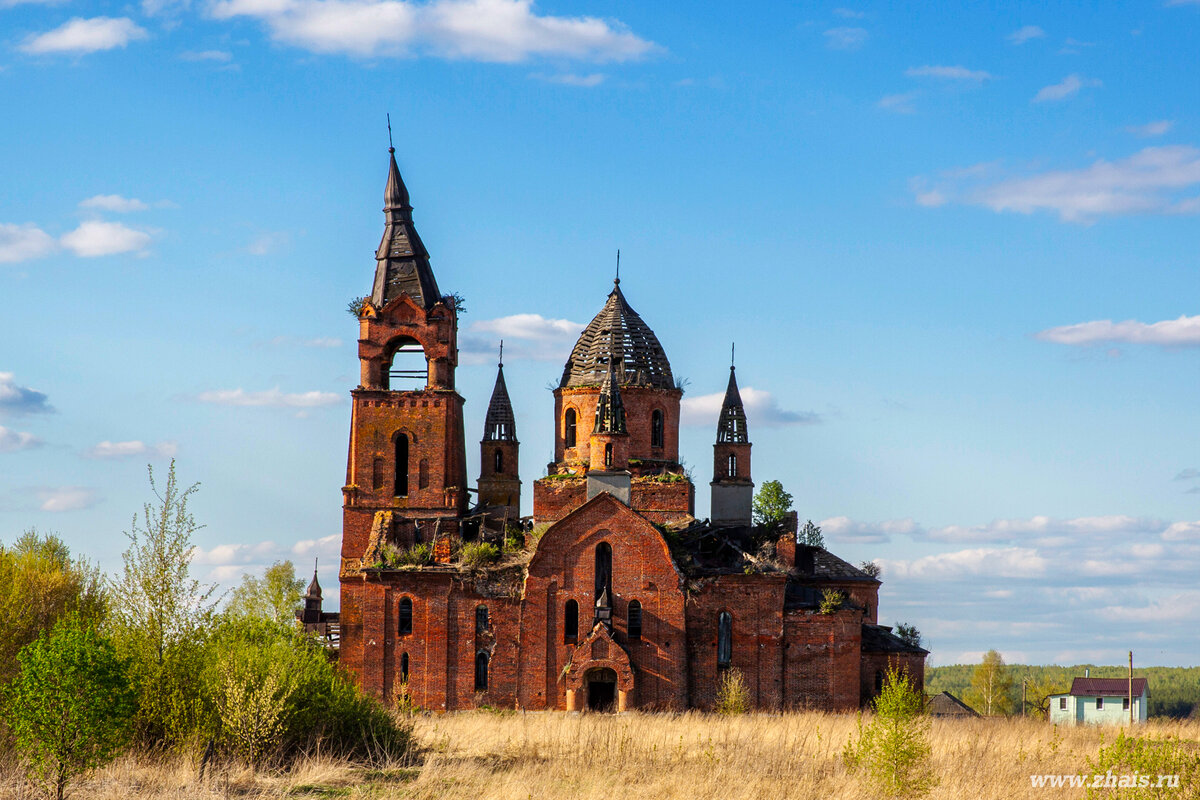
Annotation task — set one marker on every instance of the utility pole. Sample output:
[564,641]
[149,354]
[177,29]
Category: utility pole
[1131,688]
[1024,698]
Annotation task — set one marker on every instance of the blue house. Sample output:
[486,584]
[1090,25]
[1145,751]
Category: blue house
[1100,701]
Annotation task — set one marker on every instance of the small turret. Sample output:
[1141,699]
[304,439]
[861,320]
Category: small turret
[312,600]
[499,454]
[732,488]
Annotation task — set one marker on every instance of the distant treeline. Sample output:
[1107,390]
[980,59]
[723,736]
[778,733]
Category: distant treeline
[1174,691]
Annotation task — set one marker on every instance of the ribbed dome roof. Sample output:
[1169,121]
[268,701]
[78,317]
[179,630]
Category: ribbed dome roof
[640,358]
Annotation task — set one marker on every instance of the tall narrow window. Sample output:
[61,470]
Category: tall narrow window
[571,622]
[401,465]
[423,474]
[481,672]
[481,619]
[732,465]
[404,667]
[608,454]
[878,681]
[724,639]
[656,428]
[569,428]
[635,619]
[405,622]
[604,570]
[498,458]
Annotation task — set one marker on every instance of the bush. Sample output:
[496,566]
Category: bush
[893,750]
[71,704]
[479,554]
[733,695]
[416,556]
[1147,758]
[832,601]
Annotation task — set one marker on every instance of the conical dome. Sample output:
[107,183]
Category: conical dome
[618,330]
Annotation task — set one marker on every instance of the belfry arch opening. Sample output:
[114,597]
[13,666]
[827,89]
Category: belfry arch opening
[407,367]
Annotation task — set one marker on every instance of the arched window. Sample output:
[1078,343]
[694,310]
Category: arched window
[481,672]
[571,623]
[405,622]
[569,428]
[732,465]
[604,570]
[404,667]
[481,619]
[407,368]
[498,458]
[656,428]
[608,454]
[423,474]
[724,639]
[401,489]
[635,619]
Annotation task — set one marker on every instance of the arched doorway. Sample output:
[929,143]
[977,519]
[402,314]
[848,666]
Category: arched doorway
[601,689]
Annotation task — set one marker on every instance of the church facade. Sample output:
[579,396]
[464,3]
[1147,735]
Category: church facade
[611,594]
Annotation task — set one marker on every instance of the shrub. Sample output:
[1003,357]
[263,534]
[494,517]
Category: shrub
[71,704]
[416,556]
[1146,758]
[832,601]
[893,751]
[479,554]
[733,695]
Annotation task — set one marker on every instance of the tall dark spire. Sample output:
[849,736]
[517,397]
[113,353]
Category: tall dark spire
[500,425]
[314,588]
[402,261]
[610,411]
[731,427]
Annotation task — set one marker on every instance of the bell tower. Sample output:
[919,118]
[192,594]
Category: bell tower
[732,488]
[499,453]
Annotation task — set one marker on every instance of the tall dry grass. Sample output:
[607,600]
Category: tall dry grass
[515,756]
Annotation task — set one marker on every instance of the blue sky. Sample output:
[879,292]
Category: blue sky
[956,248]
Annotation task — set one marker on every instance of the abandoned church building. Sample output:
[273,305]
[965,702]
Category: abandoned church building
[611,594]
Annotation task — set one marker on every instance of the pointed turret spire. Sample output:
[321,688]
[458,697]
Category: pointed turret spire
[731,427]
[500,424]
[314,588]
[402,261]
[610,411]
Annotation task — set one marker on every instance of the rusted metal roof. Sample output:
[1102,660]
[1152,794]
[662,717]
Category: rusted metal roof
[617,332]
[402,261]
[500,425]
[731,427]
[1106,687]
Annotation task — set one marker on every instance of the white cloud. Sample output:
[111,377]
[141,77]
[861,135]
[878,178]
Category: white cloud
[220,56]
[80,35]
[1005,562]
[846,38]
[1182,532]
[271,398]
[761,409]
[478,30]
[844,529]
[958,73]
[1026,33]
[108,449]
[267,243]
[11,441]
[1065,88]
[1046,529]
[899,103]
[1182,332]
[67,498]
[230,554]
[23,243]
[526,337]
[97,238]
[1157,128]
[327,546]
[115,203]
[571,79]
[16,399]
[930,199]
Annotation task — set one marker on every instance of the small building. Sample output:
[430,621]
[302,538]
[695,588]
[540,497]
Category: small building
[1100,701]
[947,705]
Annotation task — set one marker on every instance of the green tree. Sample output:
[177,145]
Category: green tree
[991,687]
[908,633]
[893,749]
[70,704]
[771,504]
[811,535]
[1038,692]
[39,584]
[274,596]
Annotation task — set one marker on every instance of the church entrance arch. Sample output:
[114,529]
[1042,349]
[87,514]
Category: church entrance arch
[601,684]
[599,676]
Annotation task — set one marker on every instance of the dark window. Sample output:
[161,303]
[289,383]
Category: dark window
[423,474]
[608,454]
[569,428]
[571,622]
[499,460]
[404,667]
[1062,702]
[635,619]
[732,465]
[724,639]
[1099,702]
[1125,703]
[481,672]
[405,626]
[656,429]
[604,570]
[879,681]
[401,465]
[481,619]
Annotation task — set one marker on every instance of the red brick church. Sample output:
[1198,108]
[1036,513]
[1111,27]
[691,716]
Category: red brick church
[612,594]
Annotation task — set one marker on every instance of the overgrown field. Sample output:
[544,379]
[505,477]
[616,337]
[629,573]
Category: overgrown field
[516,756]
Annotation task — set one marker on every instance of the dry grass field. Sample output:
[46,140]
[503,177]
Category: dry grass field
[513,756]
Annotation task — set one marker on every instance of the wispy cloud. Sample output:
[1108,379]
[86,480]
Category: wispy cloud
[846,38]
[1182,332]
[955,73]
[107,449]
[270,398]
[844,529]
[266,243]
[762,408]
[899,103]
[95,238]
[1068,86]
[477,30]
[1150,129]
[24,243]
[66,498]
[849,13]
[115,203]
[1025,34]
[12,441]
[219,56]
[80,36]
[571,79]
[18,400]
[1189,474]
[526,337]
